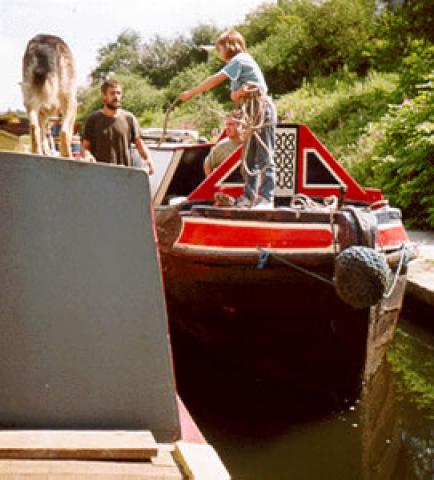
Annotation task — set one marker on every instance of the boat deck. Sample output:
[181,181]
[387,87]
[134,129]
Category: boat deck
[108,455]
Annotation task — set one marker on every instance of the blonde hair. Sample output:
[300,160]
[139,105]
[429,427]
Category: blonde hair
[232,42]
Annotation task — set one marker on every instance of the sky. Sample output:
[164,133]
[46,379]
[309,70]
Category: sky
[86,25]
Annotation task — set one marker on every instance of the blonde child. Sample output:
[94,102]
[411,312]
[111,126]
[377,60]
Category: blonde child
[243,73]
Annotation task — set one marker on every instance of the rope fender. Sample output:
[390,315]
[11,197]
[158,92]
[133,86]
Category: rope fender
[362,276]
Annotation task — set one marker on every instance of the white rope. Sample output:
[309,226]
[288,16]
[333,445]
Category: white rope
[250,116]
[397,273]
[301,201]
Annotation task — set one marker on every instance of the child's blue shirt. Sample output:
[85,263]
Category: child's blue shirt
[241,69]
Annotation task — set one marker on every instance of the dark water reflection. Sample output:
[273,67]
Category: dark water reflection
[265,433]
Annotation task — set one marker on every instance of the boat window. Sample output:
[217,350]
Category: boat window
[162,159]
[189,173]
[316,171]
[235,177]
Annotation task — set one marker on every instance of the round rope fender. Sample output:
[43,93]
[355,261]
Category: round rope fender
[362,276]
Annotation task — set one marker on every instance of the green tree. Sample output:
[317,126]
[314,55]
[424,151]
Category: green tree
[162,59]
[311,38]
[120,55]
[398,28]
[204,34]
[261,23]
[418,16]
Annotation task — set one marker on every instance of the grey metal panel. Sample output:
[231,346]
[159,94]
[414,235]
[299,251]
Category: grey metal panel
[83,327]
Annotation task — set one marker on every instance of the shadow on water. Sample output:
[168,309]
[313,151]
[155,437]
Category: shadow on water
[265,432]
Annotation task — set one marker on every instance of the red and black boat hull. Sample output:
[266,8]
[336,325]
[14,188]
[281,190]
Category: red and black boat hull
[273,322]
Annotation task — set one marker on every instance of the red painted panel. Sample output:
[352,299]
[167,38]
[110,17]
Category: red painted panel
[355,192]
[394,235]
[207,189]
[306,140]
[248,236]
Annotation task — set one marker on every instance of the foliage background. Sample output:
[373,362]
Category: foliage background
[360,74]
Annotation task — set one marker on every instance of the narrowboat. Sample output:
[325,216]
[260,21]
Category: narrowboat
[307,292]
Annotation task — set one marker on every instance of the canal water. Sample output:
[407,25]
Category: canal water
[265,433]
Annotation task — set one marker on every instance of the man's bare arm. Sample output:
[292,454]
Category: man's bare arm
[85,151]
[207,165]
[145,154]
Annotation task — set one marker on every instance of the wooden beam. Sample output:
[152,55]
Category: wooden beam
[84,470]
[200,461]
[165,456]
[79,445]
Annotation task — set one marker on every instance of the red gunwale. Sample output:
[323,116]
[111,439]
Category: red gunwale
[230,234]
[391,236]
[189,430]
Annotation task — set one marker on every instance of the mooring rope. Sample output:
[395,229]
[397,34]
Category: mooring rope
[281,259]
[401,263]
[168,111]
[265,254]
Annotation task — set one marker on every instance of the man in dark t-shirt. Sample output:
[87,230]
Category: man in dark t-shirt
[109,132]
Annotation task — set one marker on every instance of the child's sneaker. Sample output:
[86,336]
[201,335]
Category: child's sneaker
[263,204]
[243,202]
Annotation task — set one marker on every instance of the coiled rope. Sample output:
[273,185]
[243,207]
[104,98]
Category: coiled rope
[250,116]
[301,201]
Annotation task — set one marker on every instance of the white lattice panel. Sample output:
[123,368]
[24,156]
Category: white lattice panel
[285,157]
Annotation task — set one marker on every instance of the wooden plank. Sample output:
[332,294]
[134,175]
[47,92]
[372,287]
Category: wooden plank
[84,470]
[200,461]
[79,445]
[165,455]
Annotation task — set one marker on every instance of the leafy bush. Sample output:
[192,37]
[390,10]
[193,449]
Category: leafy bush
[416,66]
[396,154]
[338,108]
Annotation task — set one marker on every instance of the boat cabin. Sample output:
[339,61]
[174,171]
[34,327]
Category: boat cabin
[303,166]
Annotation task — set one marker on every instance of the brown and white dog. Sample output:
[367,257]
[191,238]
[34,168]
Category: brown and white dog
[49,88]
